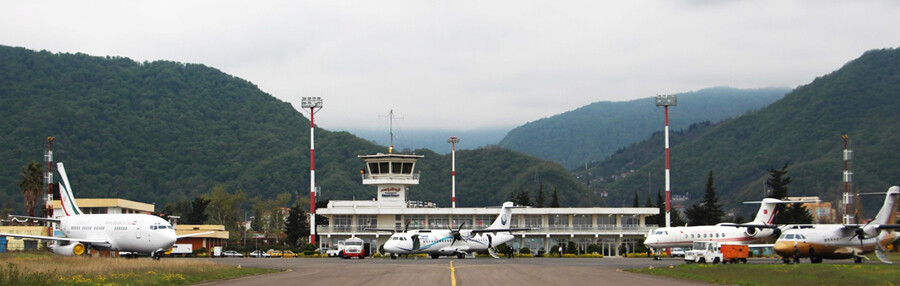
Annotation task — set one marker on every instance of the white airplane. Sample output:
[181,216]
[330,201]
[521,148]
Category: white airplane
[759,229]
[842,241]
[139,233]
[448,242]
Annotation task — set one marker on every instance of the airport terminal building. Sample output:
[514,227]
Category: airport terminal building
[613,229]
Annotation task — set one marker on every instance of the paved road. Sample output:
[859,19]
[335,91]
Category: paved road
[451,271]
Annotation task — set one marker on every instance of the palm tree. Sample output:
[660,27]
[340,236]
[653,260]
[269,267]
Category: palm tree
[32,185]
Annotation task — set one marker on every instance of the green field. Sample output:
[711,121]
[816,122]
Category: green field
[44,268]
[784,274]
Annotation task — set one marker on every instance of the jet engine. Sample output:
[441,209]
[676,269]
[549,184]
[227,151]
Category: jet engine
[68,250]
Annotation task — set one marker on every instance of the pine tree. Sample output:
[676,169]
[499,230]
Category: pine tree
[296,226]
[554,201]
[539,201]
[777,182]
[709,211]
[675,216]
[198,211]
[797,214]
[635,204]
[523,199]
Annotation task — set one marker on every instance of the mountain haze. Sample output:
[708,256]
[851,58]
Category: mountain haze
[804,128]
[163,131]
[597,130]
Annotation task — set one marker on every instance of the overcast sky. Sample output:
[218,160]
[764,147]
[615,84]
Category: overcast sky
[463,65]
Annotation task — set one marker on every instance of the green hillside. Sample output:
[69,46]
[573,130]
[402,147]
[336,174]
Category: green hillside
[804,128]
[162,131]
[597,130]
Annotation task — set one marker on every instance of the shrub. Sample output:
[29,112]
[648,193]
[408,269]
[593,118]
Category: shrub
[524,250]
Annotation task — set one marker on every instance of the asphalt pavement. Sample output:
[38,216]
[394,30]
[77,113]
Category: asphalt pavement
[453,271]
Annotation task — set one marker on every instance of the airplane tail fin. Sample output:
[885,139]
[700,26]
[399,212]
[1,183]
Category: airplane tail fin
[66,199]
[766,213]
[886,214]
[503,220]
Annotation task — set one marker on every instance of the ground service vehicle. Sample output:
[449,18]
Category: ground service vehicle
[677,252]
[336,251]
[182,249]
[715,252]
[353,247]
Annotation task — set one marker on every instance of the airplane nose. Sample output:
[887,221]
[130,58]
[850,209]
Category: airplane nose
[784,248]
[390,246]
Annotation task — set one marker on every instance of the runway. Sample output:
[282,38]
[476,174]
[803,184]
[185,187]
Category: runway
[452,271]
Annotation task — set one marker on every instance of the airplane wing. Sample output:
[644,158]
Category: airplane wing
[888,226]
[81,240]
[24,218]
[194,234]
[499,230]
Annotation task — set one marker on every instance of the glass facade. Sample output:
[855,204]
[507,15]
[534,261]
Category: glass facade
[483,221]
[457,220]
[366,221]
[438,221]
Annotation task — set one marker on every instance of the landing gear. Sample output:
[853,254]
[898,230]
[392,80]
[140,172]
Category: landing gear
[461,255]
[156,254]
[435,256]
[394,256]
[857,260]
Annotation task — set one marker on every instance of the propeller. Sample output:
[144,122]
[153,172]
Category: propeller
[455,233]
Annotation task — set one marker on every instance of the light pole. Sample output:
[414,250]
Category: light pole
[314,104]
[453,140]
[666,101]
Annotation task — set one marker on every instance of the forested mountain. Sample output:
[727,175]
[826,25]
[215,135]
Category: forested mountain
[597,130]
[804,128]
[162,131]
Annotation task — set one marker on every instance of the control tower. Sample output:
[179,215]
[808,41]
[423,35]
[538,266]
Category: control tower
[392,174]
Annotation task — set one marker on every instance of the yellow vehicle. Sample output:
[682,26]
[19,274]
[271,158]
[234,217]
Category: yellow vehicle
[274,253]
[288,253]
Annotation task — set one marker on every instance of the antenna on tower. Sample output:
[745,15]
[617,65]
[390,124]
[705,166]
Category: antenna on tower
[391,116]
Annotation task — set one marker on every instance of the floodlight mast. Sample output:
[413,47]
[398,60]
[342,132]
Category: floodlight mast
[453,140]
[314,104]
[848,155]
[666,101]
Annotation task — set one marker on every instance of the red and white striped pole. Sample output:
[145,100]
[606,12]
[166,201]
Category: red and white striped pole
[453,140]
[668,186]
[312,176]
[666,101]
[312,103]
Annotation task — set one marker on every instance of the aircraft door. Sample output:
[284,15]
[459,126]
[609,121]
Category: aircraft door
[137,229]
[415,242]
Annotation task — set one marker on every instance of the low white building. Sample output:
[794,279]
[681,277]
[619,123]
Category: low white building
[613,229]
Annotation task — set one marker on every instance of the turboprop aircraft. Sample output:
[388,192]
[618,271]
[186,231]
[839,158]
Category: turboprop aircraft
[842,241]
[759,229]
[448,242]
[140,233]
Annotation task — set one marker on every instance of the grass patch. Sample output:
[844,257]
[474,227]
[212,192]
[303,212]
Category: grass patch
[43,268]
[782,274]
